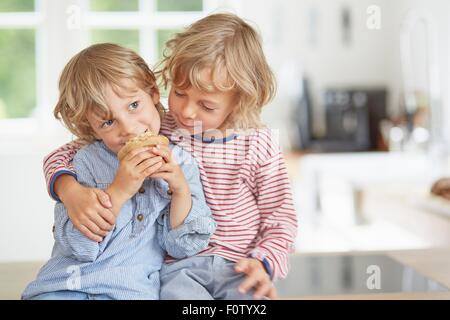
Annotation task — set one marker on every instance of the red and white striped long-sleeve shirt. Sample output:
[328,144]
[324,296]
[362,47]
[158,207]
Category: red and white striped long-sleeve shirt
[246,185]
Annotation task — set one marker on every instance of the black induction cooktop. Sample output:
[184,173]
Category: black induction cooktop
[352,274]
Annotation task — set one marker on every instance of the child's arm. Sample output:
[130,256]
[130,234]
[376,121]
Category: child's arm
[129,177]
[278,216]
[269,259]
[58,163]
[186,227]
[88,208]
[69,240]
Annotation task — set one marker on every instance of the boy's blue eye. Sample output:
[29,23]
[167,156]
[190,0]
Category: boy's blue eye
[133,106]
[107,123]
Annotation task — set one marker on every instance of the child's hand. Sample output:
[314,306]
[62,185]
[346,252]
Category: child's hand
[133,169]
[170,171]
[257,278]
[88,210]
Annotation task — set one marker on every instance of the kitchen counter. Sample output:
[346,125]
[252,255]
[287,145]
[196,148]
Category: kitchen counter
[431,265]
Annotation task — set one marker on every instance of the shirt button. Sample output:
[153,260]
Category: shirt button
[142,190]
[140,217]
[53,229]
[169,192]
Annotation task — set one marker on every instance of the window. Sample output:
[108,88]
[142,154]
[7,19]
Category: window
[17,59]
[114,5]
[163,36]
[177,5]
[16,6]
[127,38]
[143,25]
[36,42]
[17,73]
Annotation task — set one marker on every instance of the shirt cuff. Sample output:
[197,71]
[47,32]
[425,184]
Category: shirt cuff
[53,179]
[201,225]
[265,263]
[187,239]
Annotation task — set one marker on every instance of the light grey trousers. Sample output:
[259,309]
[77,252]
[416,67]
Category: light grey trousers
[202,278]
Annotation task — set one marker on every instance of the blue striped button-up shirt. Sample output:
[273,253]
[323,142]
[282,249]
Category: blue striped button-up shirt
[126,264]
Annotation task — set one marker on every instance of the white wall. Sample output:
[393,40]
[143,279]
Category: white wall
[372,59]
[26,211]
[327,61]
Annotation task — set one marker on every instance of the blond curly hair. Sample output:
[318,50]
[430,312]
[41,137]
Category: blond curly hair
[222,42]
[85,77]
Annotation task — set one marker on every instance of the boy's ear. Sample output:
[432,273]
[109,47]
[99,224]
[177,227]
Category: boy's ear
[155,97]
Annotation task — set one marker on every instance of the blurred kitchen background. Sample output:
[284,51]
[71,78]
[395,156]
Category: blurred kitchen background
[362,109]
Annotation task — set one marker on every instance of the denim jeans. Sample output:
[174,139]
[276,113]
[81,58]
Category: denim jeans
[202,278]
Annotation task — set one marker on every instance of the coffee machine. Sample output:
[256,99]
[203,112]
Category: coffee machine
[352,119]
